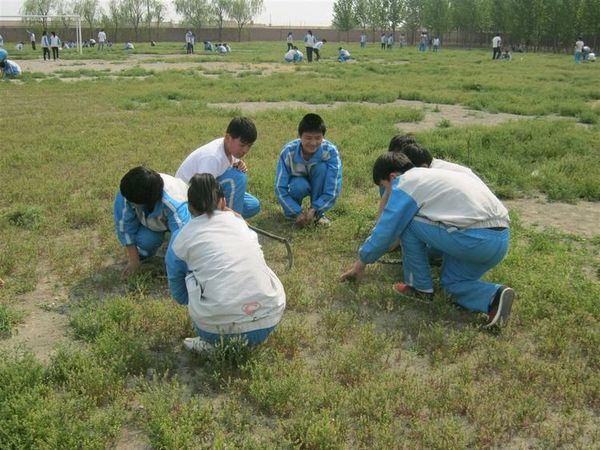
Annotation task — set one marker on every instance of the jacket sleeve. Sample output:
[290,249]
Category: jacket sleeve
[333,183]
[126,221]
[399,212]
[176,272]
[282,181]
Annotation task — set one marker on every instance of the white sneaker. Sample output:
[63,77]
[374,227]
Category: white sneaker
[197,345]
[323,221]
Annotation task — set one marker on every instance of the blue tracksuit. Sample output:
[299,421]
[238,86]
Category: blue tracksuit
[453,213]
[320,177]
[146,229]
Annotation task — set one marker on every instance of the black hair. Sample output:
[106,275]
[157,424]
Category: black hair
[389,163]
[312,123]
[418,155]
[204,193]
[3,64]
[243,128]
[143,186]
[399,141]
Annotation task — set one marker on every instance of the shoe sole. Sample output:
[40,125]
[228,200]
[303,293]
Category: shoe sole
[421,299]
[504,307]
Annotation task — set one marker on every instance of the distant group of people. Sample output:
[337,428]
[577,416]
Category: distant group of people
[312,46]
[386,40]
[583,52]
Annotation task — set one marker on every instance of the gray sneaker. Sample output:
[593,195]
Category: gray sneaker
[197,345]
[499,311]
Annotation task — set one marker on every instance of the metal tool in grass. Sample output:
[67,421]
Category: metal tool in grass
[288,247]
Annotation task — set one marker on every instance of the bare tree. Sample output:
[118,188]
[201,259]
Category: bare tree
[195,12]
[38,7]
[219,12]
[243,11]
[88,9]
[133,13]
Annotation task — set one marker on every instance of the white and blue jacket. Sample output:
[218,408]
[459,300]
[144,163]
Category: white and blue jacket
[170,213]
[292,164]
[440,197]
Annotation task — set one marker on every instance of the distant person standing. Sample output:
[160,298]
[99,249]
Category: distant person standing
[31,39]
[363,40]
[423,42]
[496,46]
[54,44]
[436,43]
[578,50]
[1,41]
[189,42]
[309,43]
[290,41]
[383,41]
[101,39]
[45,42]
[390,41]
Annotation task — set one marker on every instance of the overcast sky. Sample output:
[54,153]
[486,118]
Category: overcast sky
[277,12]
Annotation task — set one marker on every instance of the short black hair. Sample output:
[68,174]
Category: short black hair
[399,141]
[418,155]
[389,163]
[142,185]
[312,123]
[204,193]
[243,128]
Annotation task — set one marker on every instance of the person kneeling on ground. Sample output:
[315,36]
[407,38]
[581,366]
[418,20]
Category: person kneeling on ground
[147,205]
[452,213]
[293,56]
[309,166]
[8,68]
[216,267]
[222,158]
[344,55]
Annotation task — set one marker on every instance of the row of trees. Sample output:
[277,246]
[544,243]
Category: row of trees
[143,15]
[533,23]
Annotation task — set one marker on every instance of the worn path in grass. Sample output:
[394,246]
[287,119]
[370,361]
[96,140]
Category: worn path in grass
[148,62]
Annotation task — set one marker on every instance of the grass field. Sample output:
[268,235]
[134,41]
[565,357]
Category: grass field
[350,366]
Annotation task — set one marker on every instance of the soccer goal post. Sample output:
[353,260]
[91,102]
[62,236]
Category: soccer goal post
[34,17]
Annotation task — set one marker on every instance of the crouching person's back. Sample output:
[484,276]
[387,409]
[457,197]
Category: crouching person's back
[217,268]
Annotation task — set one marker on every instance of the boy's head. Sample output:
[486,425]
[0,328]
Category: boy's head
[311,131]
[390,163]
[240,136]
[142,186]
[419,156]
[399,141]
[205,194]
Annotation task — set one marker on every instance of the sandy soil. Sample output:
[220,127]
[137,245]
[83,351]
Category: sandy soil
[148,62]
[582,219]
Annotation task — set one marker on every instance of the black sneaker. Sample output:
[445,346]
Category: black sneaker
[499,310]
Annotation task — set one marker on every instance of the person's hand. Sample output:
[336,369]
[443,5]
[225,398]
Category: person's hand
[301,220]
[1,283]
[310,215]
[355,273]
[240,165]
[131,268]
[133,261]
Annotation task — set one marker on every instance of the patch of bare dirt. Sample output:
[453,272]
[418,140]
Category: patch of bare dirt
[44,325]
[455,115]
[147,62]
[582,219]
[132,439]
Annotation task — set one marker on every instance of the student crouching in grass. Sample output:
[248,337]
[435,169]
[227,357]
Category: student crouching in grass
[148,205]
[217,268]
[452,213]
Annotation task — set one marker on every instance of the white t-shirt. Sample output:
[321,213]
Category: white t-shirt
[309,40]
[101,36]
[579,45]
[496,41]
[230,287]
[54,41]
[436,42]
[209,158]
[318,45]
[447,165]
